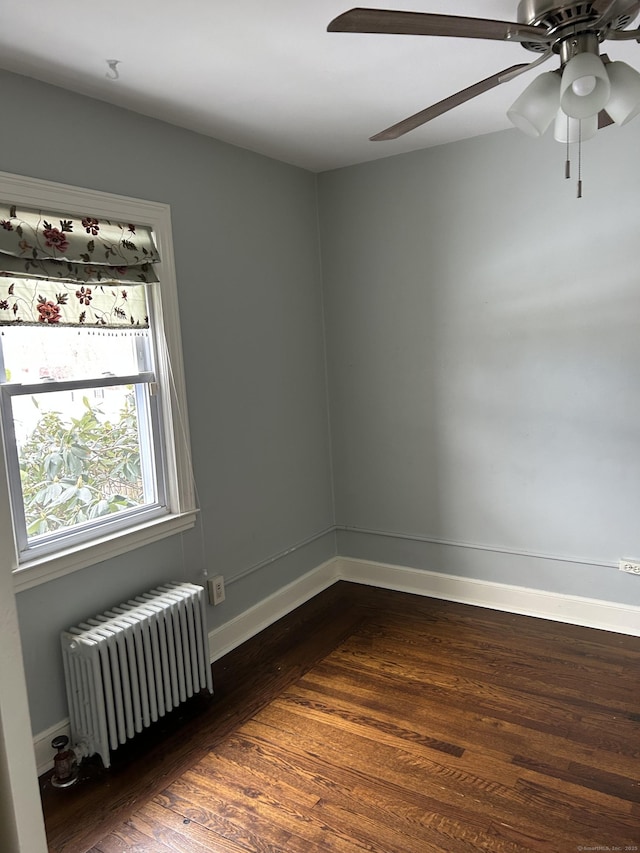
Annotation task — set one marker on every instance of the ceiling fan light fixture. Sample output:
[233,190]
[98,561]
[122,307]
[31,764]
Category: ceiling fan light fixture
[585,87]
[624,101]
[571,130]
[534,110]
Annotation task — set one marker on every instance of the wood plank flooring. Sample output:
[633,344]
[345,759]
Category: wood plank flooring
[370,720]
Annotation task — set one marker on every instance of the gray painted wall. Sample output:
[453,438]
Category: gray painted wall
[247,260]
[483,350]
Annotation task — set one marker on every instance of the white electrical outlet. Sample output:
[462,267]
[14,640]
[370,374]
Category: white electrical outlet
[629,566]
[215,588]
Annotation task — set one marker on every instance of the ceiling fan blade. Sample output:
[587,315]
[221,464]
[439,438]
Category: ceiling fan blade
[600,7]
[604,119]
[425,24]
[608,10]
[631,10]
[447,104]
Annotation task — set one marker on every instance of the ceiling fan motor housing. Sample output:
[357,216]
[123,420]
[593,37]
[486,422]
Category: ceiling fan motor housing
[564,20]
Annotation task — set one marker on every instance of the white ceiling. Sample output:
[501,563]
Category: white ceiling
[266,75]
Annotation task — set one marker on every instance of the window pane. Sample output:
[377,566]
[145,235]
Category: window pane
[33,354]
[84,455]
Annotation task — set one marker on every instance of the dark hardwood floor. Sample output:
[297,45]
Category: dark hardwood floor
[371,720]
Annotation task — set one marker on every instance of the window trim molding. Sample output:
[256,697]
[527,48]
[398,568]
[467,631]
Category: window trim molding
[88,554]
[180,493]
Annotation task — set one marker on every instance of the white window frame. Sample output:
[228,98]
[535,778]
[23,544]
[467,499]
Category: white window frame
[179,488]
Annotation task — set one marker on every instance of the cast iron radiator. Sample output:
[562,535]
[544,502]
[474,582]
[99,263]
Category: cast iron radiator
[132,664]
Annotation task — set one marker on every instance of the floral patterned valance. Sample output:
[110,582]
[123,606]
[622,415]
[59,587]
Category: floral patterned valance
[38,302]
[76,249]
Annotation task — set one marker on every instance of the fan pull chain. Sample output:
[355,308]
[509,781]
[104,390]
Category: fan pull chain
[567,162]
[579,194]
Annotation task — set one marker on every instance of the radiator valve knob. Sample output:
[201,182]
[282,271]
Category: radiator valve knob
[65,768]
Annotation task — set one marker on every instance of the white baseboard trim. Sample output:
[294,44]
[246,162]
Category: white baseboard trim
[246,625]
[574,610]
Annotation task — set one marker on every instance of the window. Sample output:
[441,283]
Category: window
[85,450]
[92,401]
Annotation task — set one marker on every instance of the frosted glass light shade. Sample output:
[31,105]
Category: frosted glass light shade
[624,101]
[596,87]
[534,110]
[567,129]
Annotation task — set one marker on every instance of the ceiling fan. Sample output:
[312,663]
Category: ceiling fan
[586,92]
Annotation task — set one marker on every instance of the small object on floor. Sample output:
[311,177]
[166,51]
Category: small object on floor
[65,768]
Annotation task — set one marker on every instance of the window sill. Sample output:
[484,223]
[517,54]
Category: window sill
[49,568]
